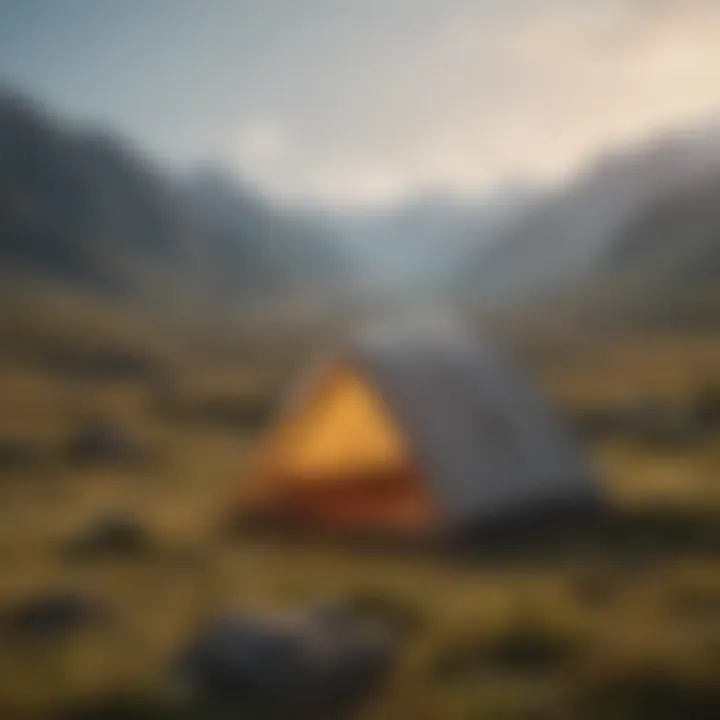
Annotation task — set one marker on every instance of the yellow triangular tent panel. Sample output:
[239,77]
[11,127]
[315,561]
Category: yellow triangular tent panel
[343,432]
[339,459]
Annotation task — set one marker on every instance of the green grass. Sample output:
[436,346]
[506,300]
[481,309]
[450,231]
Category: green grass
[543,637]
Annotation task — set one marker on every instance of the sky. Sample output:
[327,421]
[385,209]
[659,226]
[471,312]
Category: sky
[370,100]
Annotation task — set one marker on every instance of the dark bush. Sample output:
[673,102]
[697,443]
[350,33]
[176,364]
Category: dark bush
[523,648]
[706,406]
[19,455]
[99,441]
[658,425]
[113,364]
[399,615]
[695,603]
[129,708]
[651,696]
[230,412]
[114,535]
[51,614]
[233,412]
[594,589]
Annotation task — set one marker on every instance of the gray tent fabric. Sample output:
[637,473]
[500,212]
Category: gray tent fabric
[485,441]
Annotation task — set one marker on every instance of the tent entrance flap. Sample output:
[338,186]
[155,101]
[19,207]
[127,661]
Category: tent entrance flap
[340,459]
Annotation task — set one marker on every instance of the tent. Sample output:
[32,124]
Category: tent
[415,431]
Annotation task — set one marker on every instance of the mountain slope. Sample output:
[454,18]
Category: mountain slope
[565,239]
[675,242]
[82,209]
[280,250]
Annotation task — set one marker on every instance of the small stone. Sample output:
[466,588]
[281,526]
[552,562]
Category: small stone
[52,614]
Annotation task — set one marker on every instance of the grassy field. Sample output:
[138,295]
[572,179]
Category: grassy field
[619,630]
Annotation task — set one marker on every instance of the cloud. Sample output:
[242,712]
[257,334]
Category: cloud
[484,95]
[364,99]
[258,141]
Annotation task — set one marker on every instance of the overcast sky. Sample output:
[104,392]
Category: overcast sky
[371,99]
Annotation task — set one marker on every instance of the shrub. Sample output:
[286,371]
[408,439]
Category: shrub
[399,615]
[526,647]
[650,695]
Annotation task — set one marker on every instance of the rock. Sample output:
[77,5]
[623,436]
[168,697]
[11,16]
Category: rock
[526,647]
[396,614]
[18,455]
[100,441]
[647,694]
[656,424]
[110,364]
[51,615]
[114,534]
[125,706]
[321,661]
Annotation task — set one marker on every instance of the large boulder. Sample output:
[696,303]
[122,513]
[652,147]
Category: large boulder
[315,665]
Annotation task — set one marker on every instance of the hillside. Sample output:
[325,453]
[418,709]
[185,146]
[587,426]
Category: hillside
[265,249]
[618,222]
[81,209]
[673,243]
